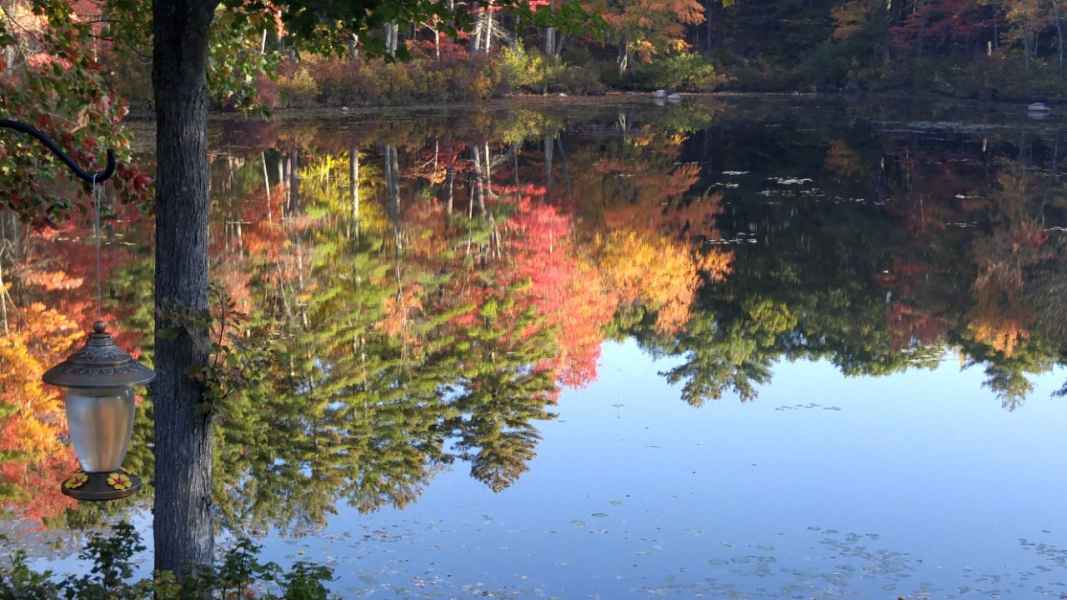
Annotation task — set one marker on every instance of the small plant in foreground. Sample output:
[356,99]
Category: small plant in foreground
[239,574]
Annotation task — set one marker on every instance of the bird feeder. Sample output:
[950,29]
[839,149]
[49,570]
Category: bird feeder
[98,385]
[97,381]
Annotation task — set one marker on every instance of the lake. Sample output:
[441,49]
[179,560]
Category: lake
[731,348]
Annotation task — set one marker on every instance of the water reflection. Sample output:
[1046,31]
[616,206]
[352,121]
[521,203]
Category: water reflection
[394,299]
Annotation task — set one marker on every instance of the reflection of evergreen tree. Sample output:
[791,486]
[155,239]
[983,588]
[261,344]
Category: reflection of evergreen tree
[363,375]
[502,390]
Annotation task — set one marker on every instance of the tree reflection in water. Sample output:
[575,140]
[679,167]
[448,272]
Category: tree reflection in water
[409,295]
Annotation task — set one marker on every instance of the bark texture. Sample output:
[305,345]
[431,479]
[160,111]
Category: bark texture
[182,515]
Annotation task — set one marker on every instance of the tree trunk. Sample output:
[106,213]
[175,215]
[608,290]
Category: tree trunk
[476,35]
[624,57]
[182,523]
[392,38]
[550,41]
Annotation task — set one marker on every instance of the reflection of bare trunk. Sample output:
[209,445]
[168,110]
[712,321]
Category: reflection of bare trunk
[353,183]
[288,179]
[548,163]
[488,171]
[294,181]
[3,297]
[563,158]
[266,186]
[479,178]
[281,176]
[392,182]
[451,187]
[1059,32]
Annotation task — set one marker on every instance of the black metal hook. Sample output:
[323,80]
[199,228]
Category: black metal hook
[98,177]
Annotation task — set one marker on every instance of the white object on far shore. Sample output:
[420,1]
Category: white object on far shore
[660,93]
[675,97]
[1038,107]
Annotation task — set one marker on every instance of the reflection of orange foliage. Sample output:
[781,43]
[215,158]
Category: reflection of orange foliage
[717,264]
[1002,333]
[843,160]
[400,308]
[655,270]
[652,187]
[33,419]
[998,318]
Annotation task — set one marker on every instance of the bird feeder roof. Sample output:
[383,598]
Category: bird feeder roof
[99,364]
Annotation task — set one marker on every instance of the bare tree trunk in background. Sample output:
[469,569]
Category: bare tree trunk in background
[550,41]
[182,513]
[623,58]
[392,38]
[476,35]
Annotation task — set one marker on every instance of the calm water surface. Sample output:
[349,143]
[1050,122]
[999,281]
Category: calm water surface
[720,351]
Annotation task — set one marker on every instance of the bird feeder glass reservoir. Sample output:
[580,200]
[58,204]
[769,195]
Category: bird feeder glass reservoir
[98,385]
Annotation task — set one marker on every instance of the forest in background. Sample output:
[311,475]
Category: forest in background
[981,49]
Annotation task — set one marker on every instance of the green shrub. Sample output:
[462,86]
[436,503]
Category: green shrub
[577,80]
[682,72]
[239,575]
